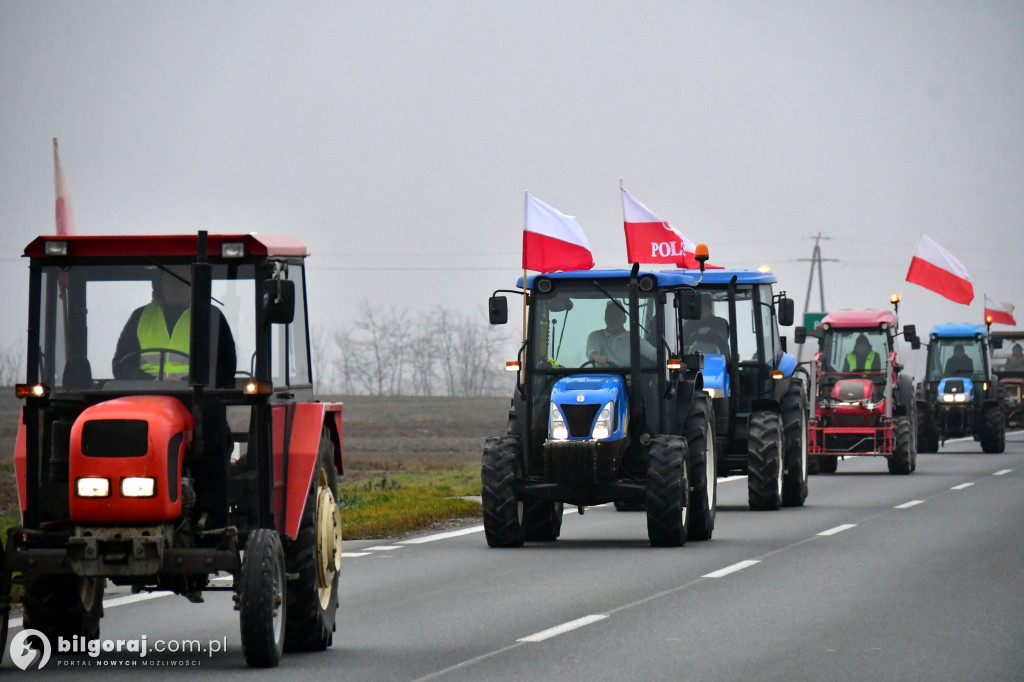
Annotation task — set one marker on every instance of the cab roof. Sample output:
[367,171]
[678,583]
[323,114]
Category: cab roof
[665,278]
[959,331]
[722,276]
[113,246]
[859,319]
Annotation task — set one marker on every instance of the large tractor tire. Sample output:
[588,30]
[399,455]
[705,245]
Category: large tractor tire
[668,491]
[827,464]
[542,520]
[64,606]
[900,460]
[702,469]
[927,430]
[503,513]
[764,461]
[629,505]
[313,559]
[262,603]
[813,465]
[993,430]
[794,439]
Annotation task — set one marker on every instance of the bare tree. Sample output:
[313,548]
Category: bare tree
[12,364]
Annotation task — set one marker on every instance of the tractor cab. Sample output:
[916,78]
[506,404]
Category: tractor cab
[603,395]
[1008,365]
[169,423]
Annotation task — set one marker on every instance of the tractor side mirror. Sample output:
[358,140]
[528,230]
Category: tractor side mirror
[786,311]
[278,301]
[688,302]
[799,334]
[497,309]
[910,334]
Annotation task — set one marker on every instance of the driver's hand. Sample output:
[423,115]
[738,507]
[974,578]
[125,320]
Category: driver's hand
[599,359]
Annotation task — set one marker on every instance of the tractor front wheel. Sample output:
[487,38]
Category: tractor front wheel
[314,557]
[261,599]
[900,460]
[993,430]
[701,469]
[64,606]
[668,492]
[927,430]
[542,520]
[764,461]
[503,513]
[794,438]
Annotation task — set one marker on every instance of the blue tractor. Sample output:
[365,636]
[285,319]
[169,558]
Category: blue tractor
[960,396]
[606,408]
[758,392]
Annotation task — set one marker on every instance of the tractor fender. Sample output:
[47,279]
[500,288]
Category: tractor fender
[297,428]
[787,363]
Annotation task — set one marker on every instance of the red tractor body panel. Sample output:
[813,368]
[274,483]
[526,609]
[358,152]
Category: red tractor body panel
[134,436]
[859,319]
[163,246]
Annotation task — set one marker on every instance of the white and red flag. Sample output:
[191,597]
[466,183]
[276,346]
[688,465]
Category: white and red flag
[649,239]
[65,214]
[552,240]
[1001,313]
[934,268]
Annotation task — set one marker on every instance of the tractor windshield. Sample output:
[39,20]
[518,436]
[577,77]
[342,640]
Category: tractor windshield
[587,324]
[854,350]
[956,357]
[121,326]
[1009,358]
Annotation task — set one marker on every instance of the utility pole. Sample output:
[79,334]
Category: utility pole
[815,260]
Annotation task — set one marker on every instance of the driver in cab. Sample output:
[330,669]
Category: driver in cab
[160,331]
[609,347]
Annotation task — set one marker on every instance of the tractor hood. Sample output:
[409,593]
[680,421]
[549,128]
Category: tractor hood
[578,406]
[956,390]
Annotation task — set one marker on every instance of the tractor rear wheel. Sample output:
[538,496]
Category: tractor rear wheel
[993,430]
[827,464]
[927,430]
[261,599]
[313,558]
[64,606]
[503,513]
[899,461]
[668,492]
[794,438]
[702,469]
[764,461]
[542,520]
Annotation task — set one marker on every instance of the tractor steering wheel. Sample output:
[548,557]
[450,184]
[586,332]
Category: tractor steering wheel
[124,365]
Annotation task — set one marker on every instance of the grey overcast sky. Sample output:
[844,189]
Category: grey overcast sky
[396,138]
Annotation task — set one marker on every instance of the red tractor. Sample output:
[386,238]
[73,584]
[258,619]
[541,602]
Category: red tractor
[863,402]
[170,433]
[1008,365]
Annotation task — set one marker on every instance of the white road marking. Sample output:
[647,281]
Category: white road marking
[1002,472]
[838,529]
[908,505]
[382,548]
[561,629]
[731,569]
[961,486]
[442,536]
[352,555]
[729,479]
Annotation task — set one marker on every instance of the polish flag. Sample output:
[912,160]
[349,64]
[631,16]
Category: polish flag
[65,214]
[649,239]
[934,268]
[552,240]
[1001,313]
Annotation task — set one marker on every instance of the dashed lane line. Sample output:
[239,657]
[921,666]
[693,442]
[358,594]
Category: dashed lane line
[838,529]
[1002,472]
[722,572]
[563,628]
[962,486]
[908,505]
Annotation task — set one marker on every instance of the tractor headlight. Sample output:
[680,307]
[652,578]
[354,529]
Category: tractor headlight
[947,397]
[556,424]
[603,425]
[92,486]
[960,398]
[138,486]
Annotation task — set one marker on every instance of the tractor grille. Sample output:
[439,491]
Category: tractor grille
[579,419]
[580,463]
[954,386]
[115,438]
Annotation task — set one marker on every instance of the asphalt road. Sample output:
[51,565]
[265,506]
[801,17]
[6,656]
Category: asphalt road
[878,577]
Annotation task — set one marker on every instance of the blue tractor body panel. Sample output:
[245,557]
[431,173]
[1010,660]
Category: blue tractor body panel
[787,364]
[581,396]
[724,276]
[665,278]
[953,386]
[959,331]
[716,375]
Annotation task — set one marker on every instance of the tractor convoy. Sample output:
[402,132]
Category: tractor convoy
[170,433]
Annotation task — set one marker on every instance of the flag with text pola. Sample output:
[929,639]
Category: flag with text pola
[552,240]
[65,214]
[649,239]
[1000,313]
[934,268]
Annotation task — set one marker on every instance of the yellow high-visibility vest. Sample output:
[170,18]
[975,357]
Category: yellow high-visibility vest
[152,333]
[870,362]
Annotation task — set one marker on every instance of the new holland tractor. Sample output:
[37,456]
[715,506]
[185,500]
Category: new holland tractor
[606,408]
[758,392]
[863,401]
[960,396]
[169,433]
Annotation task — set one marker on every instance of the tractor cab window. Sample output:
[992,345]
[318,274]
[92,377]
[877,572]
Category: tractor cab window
[1009,358]
[953,357]
[772,343]
[855,350]
[710,334]
[290,356]
[586,325]
[100,326]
